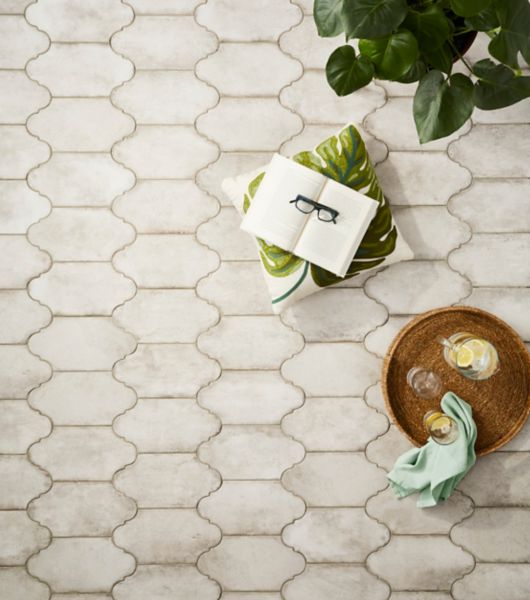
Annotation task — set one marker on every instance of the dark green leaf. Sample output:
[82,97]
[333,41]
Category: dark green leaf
[430,26]
[441,58]
[485,20]
[372,18]
[498,86]
[442,105]
[468,8]
[415,73]
[327,15]
[514,35]
[347,72]
[392,55]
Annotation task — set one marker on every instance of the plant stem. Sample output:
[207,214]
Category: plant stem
[460,56]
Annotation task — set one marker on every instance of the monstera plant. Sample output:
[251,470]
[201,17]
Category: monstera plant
[420,41]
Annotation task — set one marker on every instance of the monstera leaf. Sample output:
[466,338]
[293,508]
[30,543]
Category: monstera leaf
[344,159]
[276,261]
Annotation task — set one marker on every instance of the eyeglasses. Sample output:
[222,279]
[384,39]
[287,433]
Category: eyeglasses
[305,205]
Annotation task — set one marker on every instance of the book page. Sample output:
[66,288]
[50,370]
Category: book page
[271,216]
[333,245]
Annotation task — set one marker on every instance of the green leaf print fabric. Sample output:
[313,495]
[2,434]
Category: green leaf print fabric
[341,157]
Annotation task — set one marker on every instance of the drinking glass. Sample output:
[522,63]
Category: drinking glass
[472,356]
[442,428]
[426,384]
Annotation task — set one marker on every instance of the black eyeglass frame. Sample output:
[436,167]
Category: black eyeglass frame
[316,206]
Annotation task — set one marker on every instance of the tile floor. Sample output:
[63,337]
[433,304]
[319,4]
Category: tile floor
[163,435]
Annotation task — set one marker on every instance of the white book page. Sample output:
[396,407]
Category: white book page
[333,245]
[271,216]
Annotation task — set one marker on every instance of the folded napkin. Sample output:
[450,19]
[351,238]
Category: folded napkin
[435,470]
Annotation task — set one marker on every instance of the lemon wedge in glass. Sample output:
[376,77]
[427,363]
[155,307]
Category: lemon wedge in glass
[464,357]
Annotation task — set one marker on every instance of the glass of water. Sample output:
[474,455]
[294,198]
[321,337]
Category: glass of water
[426,384]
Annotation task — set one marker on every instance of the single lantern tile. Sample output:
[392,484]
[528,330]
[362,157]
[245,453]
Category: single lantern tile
[231,121]
[19,42]
[394,124]
[94,453]
[185,261]
[21,537]
[20,96]
[85,124]
[430,284]
[244,69]
[222,234]
[353,316]
[385,449]
[415,178]
[486,580]
[335,582]
[509,472]
[222,288]
[229,164]
[17,584]
[21,371]
[251,21]
[511,144]
[251,507]
[20,316]
[20,151]
[165,151]
[166,582]
[239,397]
[79,20]
[78,509]
[312,98]
[480,208]
[20,426]
[250,342]
[335,479]
[495,534]
[251,452]
[82,343]
[75,69]
[485,257]
[251,563]
[82,398]
[378,341]
[166,425]
[403,516]
[81,179]
[167,536]
[164,480]
[180,42]
[21,481]
[166,316]
[392,563]
[81,288]
[334,424]
[165,97]
[165,206]
[338,369]
[335,535]
[431,231]
[85,564]
[152,372]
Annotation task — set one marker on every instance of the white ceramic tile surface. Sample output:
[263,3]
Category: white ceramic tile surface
[164,436]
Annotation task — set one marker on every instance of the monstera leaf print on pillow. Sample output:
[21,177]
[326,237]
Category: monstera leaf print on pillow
[342,157]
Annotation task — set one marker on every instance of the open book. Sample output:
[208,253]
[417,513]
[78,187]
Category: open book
[275,216]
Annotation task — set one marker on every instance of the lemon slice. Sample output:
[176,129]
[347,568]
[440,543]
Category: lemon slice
[478,347]
[465,357]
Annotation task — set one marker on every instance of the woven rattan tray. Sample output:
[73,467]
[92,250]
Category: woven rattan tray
[500,404]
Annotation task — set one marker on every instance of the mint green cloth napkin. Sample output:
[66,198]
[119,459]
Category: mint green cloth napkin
[435,470]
